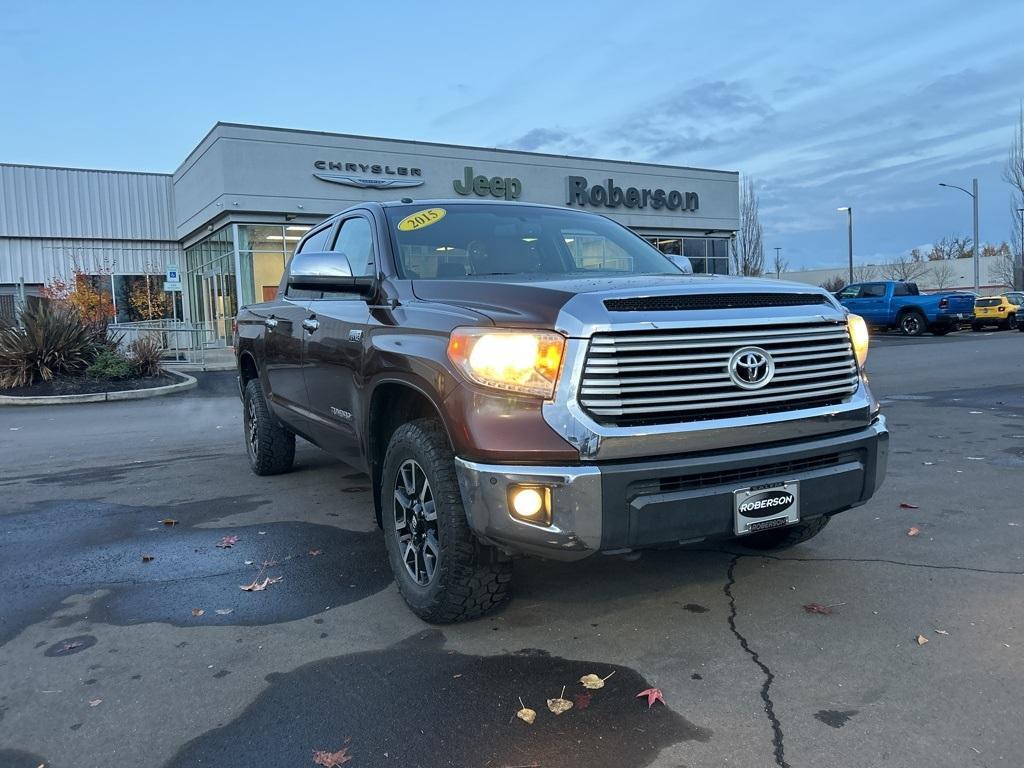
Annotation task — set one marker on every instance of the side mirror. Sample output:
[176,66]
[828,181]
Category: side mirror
[328,271]
[682,262]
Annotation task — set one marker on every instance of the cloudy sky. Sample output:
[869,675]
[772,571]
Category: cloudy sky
[868,104]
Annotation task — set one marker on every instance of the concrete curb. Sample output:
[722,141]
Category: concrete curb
[187,382]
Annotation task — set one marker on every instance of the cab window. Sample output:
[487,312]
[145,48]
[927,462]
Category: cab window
[850,292]
[872,291]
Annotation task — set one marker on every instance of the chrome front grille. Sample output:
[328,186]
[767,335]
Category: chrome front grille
[682,375]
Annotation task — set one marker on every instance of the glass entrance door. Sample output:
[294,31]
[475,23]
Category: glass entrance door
[219,306]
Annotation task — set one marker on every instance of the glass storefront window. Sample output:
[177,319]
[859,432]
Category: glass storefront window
[707,255]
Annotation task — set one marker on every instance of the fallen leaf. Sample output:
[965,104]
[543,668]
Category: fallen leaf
[248,562]
[653,695]
[941,632]
[70,646]
[223,611]
[315,552]
[456,676]
[526,714]
[147,558]
[593,682]
[908,505]
[95,702]
[559,705]
[227,542]
[275,579]
[582,699]
[913,531]
[331,759]
[169,521]
[259,586]
[921,639]
[824,610]
[198,611]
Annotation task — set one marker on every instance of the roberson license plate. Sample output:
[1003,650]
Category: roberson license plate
[763,507]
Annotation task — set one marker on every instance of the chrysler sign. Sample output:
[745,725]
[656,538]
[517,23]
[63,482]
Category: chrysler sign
[610,195]
[368,175]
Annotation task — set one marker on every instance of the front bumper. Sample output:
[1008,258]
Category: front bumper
[617,506]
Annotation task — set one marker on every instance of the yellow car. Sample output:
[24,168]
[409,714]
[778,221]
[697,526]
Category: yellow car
[1001,311]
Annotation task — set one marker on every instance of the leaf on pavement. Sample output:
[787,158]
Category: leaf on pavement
[259,586]
[198,611]
[921,639]
[70,646]
[147,558]
[227,542]
[169,521]
[223,611]
[559,705]
[593,682]
[526,714]
[315,552]
[913,531]
[653,695]
[908,505]
[941,632]
[824,610]
[95,702]
[331,759]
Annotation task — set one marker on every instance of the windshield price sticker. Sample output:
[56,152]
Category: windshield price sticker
[421,219]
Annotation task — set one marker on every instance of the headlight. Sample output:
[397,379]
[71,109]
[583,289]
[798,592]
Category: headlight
[858,337]
[509,359]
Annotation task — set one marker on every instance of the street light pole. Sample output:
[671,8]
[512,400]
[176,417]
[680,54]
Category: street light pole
[1018,277]
[849,235]
[977,245]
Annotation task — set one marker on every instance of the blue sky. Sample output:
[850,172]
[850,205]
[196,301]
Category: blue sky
[867,104]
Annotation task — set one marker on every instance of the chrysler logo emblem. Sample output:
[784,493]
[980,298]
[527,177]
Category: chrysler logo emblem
[751,368]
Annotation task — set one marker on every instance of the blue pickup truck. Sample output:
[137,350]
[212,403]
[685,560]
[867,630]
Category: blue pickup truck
[893,304]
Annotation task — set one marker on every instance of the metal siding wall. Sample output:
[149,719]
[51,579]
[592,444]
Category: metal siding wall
[38,260]
[71,203]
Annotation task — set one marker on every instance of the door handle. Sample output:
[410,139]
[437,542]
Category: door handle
[311,324]
[270,322]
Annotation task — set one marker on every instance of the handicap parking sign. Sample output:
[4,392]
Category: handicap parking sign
[173,276]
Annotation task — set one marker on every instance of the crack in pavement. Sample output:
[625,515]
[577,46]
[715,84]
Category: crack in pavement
[867,560]
[769,677]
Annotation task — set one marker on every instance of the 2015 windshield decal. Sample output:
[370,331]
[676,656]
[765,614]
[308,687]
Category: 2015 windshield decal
[421,219]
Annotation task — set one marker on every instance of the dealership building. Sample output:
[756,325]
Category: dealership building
[226,221]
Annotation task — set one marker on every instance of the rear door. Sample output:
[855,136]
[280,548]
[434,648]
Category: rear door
[334,346]
[284,340]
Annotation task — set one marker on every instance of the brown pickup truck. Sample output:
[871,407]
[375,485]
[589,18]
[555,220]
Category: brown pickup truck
[530,380]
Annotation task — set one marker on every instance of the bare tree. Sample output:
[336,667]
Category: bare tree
[942,273]
[748,248]
[951,247]
[834,284]
[905,268]
[864,273]
[1013,174]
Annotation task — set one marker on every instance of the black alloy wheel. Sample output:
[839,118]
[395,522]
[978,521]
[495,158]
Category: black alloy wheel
[416,523]
[912,324]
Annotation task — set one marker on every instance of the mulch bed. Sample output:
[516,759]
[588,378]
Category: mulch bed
[87,385]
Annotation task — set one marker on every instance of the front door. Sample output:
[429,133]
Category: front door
[334,349]
[219,307]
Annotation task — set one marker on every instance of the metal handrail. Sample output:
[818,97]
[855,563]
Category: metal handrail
[182,341]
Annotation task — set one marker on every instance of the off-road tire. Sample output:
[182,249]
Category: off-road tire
[470,578]
[912,323]
[270,447]
[784,538]
[1010,324]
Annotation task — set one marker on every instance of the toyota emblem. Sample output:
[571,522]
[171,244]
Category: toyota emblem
[751,368]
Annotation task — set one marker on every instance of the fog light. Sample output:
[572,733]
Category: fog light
[530,503]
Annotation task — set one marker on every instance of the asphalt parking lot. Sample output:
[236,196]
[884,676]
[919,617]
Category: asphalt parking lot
[106,660]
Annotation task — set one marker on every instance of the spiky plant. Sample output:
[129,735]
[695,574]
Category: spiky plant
[145,353]
[53,341]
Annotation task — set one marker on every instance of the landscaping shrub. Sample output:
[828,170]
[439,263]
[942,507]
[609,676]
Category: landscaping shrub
[110,364]
[53,342]
[145,353]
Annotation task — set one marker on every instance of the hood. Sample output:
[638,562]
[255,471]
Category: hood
[537,301]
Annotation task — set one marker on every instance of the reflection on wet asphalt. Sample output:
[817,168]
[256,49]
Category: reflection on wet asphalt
[63,548]
[416,704]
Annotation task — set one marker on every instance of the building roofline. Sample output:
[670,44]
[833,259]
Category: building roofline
[220,124]
[75,168]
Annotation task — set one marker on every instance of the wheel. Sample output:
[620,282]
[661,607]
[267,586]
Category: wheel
[940,330]
[784,538]
[271,447]
[912,323]
[1011,322]
[443,572]
[976,327]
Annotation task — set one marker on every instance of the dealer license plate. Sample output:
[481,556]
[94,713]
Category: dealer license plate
[763,507]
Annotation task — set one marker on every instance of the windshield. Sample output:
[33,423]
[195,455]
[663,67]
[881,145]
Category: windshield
[447,242]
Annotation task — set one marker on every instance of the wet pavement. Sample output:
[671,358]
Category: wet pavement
[107,658]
